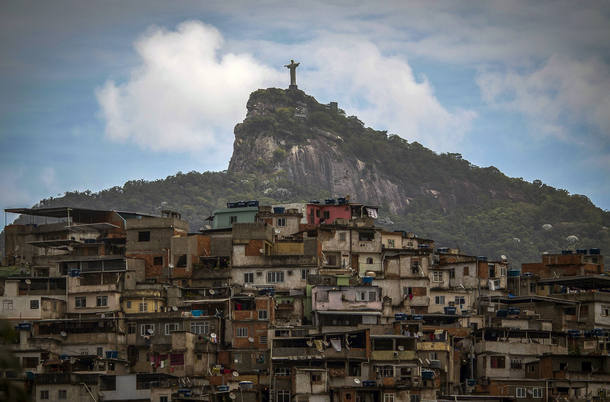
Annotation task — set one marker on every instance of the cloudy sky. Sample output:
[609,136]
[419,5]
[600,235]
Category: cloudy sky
[93,94]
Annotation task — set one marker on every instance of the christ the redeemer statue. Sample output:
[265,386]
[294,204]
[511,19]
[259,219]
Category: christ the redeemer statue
[293,74]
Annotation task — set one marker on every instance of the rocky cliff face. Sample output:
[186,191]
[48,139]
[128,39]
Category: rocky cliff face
[309,155]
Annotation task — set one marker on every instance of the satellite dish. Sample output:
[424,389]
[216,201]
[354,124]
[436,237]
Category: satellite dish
[503,257]
[213,335]
[174,308]
[516,240]
[212,292]
[28,282]
[547,226]
[63,333]
[232,395]
[150,331]
[309,343]
[235,374]
[572,239]
[357,380]
[250,339]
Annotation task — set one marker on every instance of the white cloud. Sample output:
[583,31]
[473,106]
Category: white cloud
[185,95]
[559,94]
[382,91]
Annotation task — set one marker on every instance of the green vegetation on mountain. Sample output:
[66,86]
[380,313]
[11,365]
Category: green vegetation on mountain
[442,197]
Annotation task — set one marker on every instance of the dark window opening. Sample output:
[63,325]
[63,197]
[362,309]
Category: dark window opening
[181,261]
[144,236]
[158,261]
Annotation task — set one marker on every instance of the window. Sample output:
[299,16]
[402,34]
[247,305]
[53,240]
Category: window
[516,364]
[537,393]
[466,271]
[492,271]
[164,398]
[101,301]
[586,367]
[304,273]
[415,398]
[248,277]
[263,339]
[181,261]
[282,371]
[439,299]
[520,392]
[262,314]
[7,305]
[34,304]
[437,276]
[62,394]
[502,271]
[360,296]
[176,359]
[158,261]
[30,362]
[460,300]
[331,259]
[147,329]
[281,222]
[366,236]
[385,371]
[131,328]
[99,351]
[369,260]
[605,310]
[451,273]
[316,377]
[497,361]
[232,219]
[388,397]
[326,215]
[143,307]
[275,277]
[242,332]
[532,288]
[144,236]
[80,302]
[171,327]
[200,328]
[391,243]
[342,236]
[44,394]
[283,396]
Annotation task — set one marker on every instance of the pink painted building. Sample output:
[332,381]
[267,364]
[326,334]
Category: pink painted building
[331,210]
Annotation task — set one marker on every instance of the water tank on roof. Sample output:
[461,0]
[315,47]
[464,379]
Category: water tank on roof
[231,204]
[566,252]
[482,258]
[341,201]
[241,204]
[314,202]
[278,210]
[252,203]
[594,251]
[581,251]
[329,201]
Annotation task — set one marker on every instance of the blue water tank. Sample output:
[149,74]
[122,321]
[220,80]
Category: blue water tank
[329,201]
[594,251]
[279,210]
[252,203]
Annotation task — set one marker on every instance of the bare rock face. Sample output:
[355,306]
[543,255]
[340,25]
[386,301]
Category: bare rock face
[315,159]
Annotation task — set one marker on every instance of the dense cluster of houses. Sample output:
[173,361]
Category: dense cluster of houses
[297,302]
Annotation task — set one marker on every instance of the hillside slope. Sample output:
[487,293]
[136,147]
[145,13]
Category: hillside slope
[292,148]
